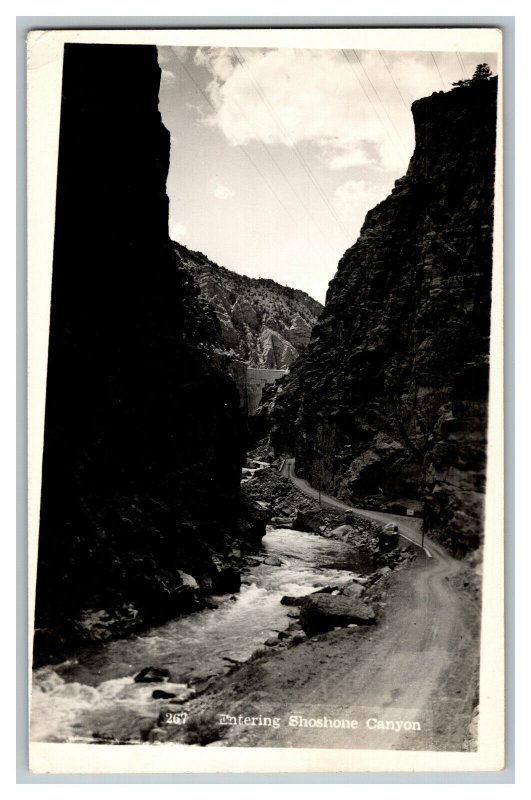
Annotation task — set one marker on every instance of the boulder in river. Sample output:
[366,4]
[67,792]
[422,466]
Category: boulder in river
[290,600]
[298,637]
[175,692]
[282,522]
[153,675]
[159,694]
[228,578]
[307,521]
[343,532]
[322,612]
[353,589]
[183,696]
[187,580]
[273,561]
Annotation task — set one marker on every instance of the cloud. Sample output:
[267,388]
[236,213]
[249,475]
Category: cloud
[349,109]
[354,198]
[218,60]
[177,230]
[345,156]
[353,106]
[167,76]
[222,192]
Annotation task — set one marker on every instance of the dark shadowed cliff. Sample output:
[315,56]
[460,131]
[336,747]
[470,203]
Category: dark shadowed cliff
[143,438]
[389,403]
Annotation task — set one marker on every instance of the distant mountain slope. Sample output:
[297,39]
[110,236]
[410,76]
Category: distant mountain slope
[265,324]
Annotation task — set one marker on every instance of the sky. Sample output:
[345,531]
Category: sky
[277,155]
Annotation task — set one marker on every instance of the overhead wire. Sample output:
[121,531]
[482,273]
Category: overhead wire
[405,149]
[438,70]
[292,144]
[286,178]
[240,147]
[400,155]
[294,147]
[461,65]
[406,106]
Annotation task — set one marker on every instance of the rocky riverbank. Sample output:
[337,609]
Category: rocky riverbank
[324,624]
[353,606]
[353,631]
[183,592]
[312,673]
[287,507]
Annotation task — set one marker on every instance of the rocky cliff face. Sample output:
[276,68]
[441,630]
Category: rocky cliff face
[144,441]
[389,403]
[263,324]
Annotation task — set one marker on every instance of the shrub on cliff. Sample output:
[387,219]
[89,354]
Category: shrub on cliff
[482,73]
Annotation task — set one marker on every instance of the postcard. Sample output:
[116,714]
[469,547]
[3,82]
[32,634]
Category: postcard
[265,400]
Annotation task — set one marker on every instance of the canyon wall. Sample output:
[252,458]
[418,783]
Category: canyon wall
[388,407]
[144,440]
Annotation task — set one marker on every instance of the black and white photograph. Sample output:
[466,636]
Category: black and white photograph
[265,444]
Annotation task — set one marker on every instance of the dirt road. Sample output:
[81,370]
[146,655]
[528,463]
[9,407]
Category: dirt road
[409,527]
[409,683]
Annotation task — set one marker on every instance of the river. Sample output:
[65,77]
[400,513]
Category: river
[94,694]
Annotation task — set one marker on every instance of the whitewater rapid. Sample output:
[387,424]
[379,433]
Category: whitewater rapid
[93,695]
